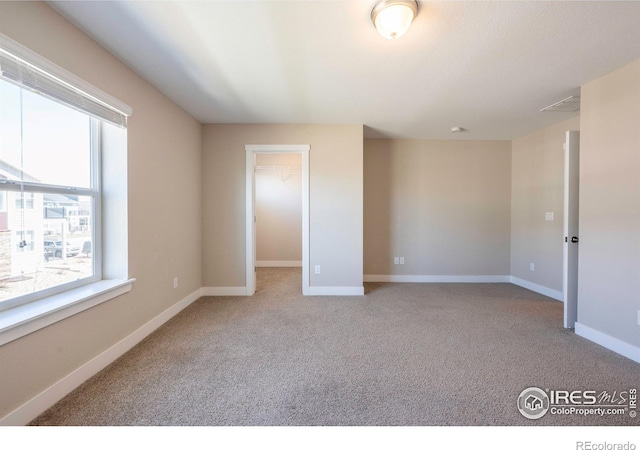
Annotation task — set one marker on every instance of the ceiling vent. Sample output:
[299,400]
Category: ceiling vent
[569,104]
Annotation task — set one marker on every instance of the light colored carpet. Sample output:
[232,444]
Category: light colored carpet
[403,354]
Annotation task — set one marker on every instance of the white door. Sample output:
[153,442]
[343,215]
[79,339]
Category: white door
[570,253]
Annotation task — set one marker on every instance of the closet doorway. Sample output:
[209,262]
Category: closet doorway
[273,164]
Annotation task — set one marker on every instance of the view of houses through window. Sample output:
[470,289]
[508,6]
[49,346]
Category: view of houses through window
[48,194]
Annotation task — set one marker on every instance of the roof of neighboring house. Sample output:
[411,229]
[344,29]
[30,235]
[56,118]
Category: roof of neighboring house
[7,171]
[60,199]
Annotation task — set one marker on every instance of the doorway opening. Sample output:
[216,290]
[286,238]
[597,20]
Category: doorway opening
[266,164]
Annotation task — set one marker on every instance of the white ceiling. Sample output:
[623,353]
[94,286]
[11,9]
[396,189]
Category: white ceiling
[487,66]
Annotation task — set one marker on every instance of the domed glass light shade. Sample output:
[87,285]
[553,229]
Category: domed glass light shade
[392,18]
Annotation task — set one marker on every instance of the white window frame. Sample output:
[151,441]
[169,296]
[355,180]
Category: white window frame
[112,260]
[26,191]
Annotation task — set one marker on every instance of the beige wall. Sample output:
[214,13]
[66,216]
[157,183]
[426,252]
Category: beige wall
[279,207]
[609,262]
[443,205]
[537,187]
[164,145]
[336,198]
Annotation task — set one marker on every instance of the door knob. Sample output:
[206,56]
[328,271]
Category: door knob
[574,239]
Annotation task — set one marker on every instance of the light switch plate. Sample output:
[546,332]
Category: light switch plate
[548,216]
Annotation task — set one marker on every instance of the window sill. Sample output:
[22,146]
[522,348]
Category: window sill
[22,320]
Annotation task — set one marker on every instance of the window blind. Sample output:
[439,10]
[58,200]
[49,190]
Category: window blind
[25,68]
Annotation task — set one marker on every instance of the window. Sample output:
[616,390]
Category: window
[49,153]
[52,129]
[23,200]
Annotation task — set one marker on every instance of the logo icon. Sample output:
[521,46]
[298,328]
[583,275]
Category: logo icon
[533,403]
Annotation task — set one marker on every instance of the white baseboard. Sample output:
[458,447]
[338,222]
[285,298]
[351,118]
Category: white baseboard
[50,396]
[234,291]
[278,263]
[614,344]
[556,295]
[437,278]
[336,290]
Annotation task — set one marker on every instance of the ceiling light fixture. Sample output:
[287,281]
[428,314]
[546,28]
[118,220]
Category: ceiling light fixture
[392,18]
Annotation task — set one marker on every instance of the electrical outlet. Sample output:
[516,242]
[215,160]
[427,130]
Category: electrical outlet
[175,282]
[317,270]
[402,260]
[532,267]
[396,260]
